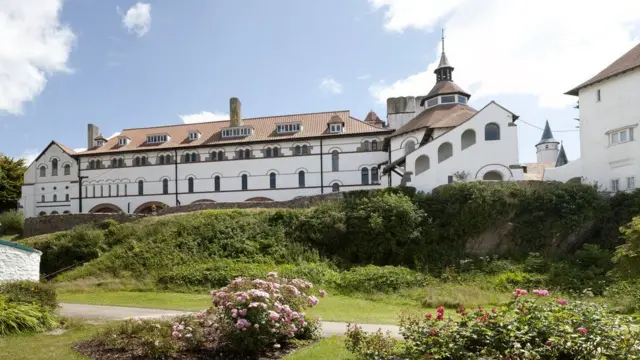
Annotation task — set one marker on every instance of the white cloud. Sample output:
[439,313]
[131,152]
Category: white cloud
[80,150]
[541,48]
[364,77]
[30,155]
[204,116]
[331,85]
[114,135]
[33,46]
[138,19]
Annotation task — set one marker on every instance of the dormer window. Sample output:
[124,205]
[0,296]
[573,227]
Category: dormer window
[100,140]
[123,140]
[236,132]
[194,135]
[156,139]
[288,128]
[336,128]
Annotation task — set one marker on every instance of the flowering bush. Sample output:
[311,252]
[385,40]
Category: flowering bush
[531,326]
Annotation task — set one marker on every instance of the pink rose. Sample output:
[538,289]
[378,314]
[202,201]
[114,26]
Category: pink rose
[562,302]
[323,293]
[583,331]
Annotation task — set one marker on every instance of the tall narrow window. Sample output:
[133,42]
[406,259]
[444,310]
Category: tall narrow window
[137,161]
[55,198]
[121,162]
[144,160]
[374,145]
[598,95]
[101,190]
[305,150]
[365,176]
[366,146]
[276,152]
[66,197]
[109,190]
[240,154]
[298,150]
[216,181]
[191,185]
[245,182]
[194,157]
[220,155]
[268,152]
[42,198]
[165,186]
[86,191]
[161,160]
[374,175]
[335,160]
[43,171]
[272,180]
[67,169]
[54,167]
[631,182]
[92,164]
[117,189]
[140,187]
[93,191]
[409,147]
[301,179]
[114,163]
[615,185]
[247,154]
[125,189]
[98,164]
[335,187]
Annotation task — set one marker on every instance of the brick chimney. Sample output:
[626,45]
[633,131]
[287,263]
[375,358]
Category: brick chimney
[92,134]
[235,108]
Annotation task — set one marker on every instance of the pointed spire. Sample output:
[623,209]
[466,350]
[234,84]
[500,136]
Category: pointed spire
[547,135]
[444,70]
[562,157]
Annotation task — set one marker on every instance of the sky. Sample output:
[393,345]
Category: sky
[126,63]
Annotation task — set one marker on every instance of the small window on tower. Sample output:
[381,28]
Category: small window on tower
[598,97]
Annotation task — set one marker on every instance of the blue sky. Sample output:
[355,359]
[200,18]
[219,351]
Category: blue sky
[122,64]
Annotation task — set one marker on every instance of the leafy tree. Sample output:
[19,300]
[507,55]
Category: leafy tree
[11,180]
[627,256]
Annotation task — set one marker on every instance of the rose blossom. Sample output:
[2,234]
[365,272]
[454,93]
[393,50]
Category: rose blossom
[274,315]
[541,292]
[427,316]
[562,302]
[583,331]
[323,293]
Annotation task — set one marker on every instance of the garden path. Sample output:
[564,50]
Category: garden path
[84,311]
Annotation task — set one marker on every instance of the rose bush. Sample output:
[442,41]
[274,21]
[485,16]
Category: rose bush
[532,325]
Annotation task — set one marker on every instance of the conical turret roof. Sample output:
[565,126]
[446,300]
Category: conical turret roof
[547,135]
[562,157]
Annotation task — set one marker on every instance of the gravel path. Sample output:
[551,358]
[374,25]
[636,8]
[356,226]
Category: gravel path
[84,311]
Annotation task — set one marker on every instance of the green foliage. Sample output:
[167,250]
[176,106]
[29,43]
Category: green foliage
[536,263]
[70,248]
[523,328]
[11,222]
[18,317]
[512,279]
[372,279]
[29,292]
[627,255]
[586,270]
[11,180]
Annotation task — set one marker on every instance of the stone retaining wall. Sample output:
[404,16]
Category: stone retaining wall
[54,223]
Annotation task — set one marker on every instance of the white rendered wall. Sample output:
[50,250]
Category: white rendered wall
[17,264]
[564,173]
[547,152]
[619,107]
[476,160]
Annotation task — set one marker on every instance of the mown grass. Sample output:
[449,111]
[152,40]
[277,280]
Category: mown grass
[44,346]
[331,348]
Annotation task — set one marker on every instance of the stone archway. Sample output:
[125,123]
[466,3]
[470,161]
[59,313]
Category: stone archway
[105,209]
[147,208]
[259,199]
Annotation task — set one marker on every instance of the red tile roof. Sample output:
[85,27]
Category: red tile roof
[440,116]
[264,130]
[626,62]
[445,88]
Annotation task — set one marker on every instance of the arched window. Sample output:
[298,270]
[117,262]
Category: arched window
[298,150]
[268,152]
[365,176]
[161,160]
[165,186]
[43,171]
[276,152]
[445,151]
[216,182]
[335,187]
[54,167]
[137,161]
[143,160]
[240,154]
[67,169]
[54,213]
[213,156]
[140,187]
[247,154]
[272,180]
[42,198]
[114,162]
[305,150]
[301,179]
[374,145]
[194,157]
[367,146]
[98,164]
[220,155]
[167,159]
[92,164]
[109,190]
[117,189]
[190,182]
[468,138]
[55,197]
[66,197]
[245,182]
[335,160]
[409,147]
[94,191]
[42,213]
[66,212]
[121,162]
[492,176]
[422,164]
[491,132]
[374,175]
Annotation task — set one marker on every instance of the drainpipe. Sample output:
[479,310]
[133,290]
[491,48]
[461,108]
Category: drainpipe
[389,175]
[176,174]
[80,177]
[321,169]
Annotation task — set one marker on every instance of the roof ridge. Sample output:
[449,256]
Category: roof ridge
[252,118]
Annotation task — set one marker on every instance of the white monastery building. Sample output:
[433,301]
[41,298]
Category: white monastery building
[609,117]
[428,141]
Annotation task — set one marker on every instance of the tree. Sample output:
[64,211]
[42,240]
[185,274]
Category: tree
[11,180]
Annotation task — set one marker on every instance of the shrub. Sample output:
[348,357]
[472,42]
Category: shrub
[510,279]
[29,292]
[16,317]
[586,270]
[371,279]
[627,255]
[11,222]
[524,328]
[70,248]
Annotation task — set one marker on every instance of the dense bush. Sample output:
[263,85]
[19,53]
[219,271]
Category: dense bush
[586,270]
[524,328]
[11,222]
[18,317]
[627,255]
[29,292]
[67,249]
[371,279]
[510,279]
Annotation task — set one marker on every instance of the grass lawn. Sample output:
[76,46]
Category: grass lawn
[331,308]
[331,348]
[8,237]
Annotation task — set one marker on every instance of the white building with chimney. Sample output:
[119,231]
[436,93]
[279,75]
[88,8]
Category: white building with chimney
[428,141]
[609,117]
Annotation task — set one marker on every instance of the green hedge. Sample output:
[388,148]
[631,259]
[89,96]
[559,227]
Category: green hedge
[11,222]
[372,279]
[29,292]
